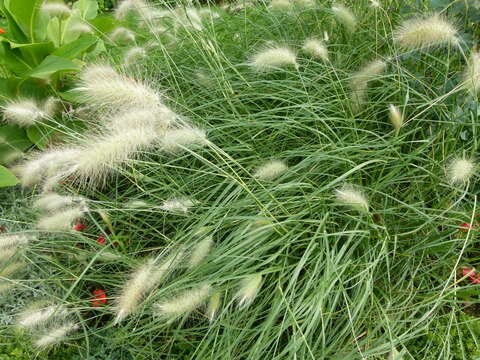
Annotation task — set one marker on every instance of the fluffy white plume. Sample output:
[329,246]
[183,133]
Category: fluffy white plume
[53,202]
[271,170]
[22,112]
[396,117]
[208,13]
[122,35]
[316,48]
[35,317]
[200,251]
[213,306]
[133,55]
[177,205]
[60,221]
[422,33]
[158,119]
[81,28]
[96,72]
[184,303]
[187,18]
[177,140]
[471,77]
[55,335]
[460,170]
[345,16]
[360,79]
[248,289]
[14,240]
[273,58]
[348,196]
[56,9]
[128,6]
[51,106]
[11,269]
[281,4]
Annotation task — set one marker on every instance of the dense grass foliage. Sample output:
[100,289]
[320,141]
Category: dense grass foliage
[337,283]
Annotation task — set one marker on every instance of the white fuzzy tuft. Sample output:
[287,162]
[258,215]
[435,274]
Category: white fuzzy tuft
[177,205]
[460,170]
[50,106]
[348,196]
[188,18]
[177,140]
[60,221]
[12,268]
[158,119]
[32,318]
[208,13]
[213,306]
[360,79]
[200,252]
[122,35]
[53,202]
[248,289]
[375,3]
[304,3]
[55,335]
[133,55]
[81,28]
[102,86]
[471,77]
[345,16]
[55,9]
[184,303]
[127,6]
[271,170]
[281,4]
[8,241]
[396,117]
[424,33]
[7,254]
[316,48]
[22,113]
[274,58]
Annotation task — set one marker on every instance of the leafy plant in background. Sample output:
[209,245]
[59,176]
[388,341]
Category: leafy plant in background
[41,43]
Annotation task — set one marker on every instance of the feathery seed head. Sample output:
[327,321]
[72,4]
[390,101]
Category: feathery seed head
[81,28]
[213,305]
[55,335]
[271,170]
[7,254]
[396,117]
[316,48]
[460,170]
[22,112]
[281,4]
[36,316]
[177,205]
[157,119]
[122,35]
[345,16]
[125,7]
[348,196]
[56,9]
[50,106]
[8,241]
[375,3]
[184,303]
[421,33]
[61,221]
[361,78]
[273,58]
[176,140]
[200,252]
[12,157]
[304,3]
[12,268]
[187,18]
[54,202]
[97,72]
[208,13]
[248,289]
[133,55]
[471,77]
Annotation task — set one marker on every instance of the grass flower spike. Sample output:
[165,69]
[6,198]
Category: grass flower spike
[63,220]
[200,252]
[360,79]
[184,303]
[421,33]
[273,58]
[81,28]
[271,170]
[55,335]
[36,317]
[248,289]
[460,170]
[8,241]
[22,113]
[177,205]
[213,306]
[345,16]
[177,140]
[56,9]
[53,202]
[396,118]
[471,77]
[133,55]
[316,48]
[281,4]
[122,35]
[348,196]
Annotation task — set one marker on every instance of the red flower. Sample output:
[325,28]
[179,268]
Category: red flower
[3,31]
[101,240]
[99,298]
[79,226]
[465,227]
[473,276]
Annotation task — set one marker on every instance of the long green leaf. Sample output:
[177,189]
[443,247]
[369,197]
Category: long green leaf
[7,178]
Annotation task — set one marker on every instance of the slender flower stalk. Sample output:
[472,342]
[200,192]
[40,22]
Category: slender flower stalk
[273,58]
[248,290]
[422,33]
[460,170]
[184,303]
[271,170]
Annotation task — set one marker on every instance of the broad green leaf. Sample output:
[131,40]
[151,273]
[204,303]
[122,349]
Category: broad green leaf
[40,135]
[52,65]
[12,136]
[76,48]
[9,88]
[13,60]
[104,24]
[98,49]
[34,53]
[88,8]
[13,30]
[28,17]
[7,178]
